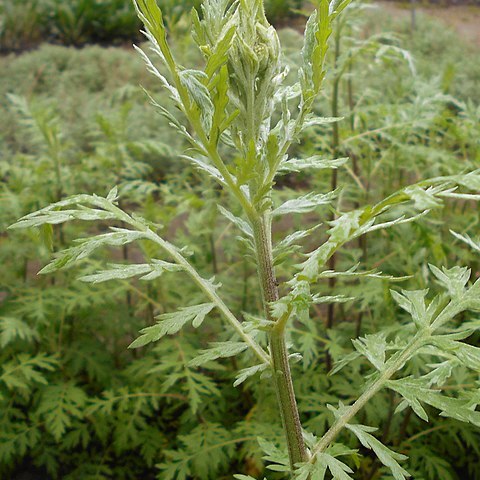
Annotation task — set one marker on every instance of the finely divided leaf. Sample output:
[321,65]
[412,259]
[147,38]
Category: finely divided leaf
[468,240]
[373,347]
[52,214]
[237,221]
[248,372]
[239,476]
[452,279]
[304,204]
[314,120]
[414,303]
[388,457]
[149,271]
[59,404]
[12,329]
[316,162]
[278,458]
[218,350]
[318,470]
[115,272]
[410,391]
[417,390]
[56,217]
[353,273]
[193,81]
[86,246]
[171,323]
[206,167]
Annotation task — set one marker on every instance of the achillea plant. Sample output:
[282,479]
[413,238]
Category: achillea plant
[240,121]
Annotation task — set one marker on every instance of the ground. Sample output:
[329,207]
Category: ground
[465,20]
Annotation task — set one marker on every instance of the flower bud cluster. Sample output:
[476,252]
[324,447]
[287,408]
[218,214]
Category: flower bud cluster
[254,65]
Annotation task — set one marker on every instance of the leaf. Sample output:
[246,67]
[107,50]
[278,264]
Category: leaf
[316,162]
[278,458]
[56,217]
[468,355]
[287,247]
[307,50]
[319,299]
[469,180]
[352,273]
[22,371]
[398,221]
[351,225]
[248,372]
[117,272]
[59,404]
[292,238]
[424,199]
[457,408]
[151,16]
[53,214]
[220,55]
[373,347]
[304,204]
[409,390]
[308,471]
[218,350]
[468,240]
[344,361]
[174,95]
[414,303]
[149,271]
[314,52]
[86,246]
[388,457]
[206,167]
[171,323]
[440,373]
[314,120]
[318,470]
[239,476]
[338,7]
[12,329]
[338,469]
[158,267]
[244,227]
[192,81]
[205,451]
[454,279]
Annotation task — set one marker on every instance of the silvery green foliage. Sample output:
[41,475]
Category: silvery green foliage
[240,120]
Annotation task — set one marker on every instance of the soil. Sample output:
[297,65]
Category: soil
[464,19]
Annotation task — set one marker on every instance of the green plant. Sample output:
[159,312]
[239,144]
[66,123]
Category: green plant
[20,24]
[278,10]
[242,143]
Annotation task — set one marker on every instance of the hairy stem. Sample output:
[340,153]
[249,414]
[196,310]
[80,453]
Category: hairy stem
[282,376]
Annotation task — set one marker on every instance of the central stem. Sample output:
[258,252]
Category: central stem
[282,376]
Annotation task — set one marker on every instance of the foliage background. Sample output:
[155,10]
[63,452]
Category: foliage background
[74,402]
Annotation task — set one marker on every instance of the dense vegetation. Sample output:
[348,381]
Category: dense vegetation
[26,23]
[76,403]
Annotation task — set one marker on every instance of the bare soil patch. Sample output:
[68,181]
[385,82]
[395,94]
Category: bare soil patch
[464,19]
